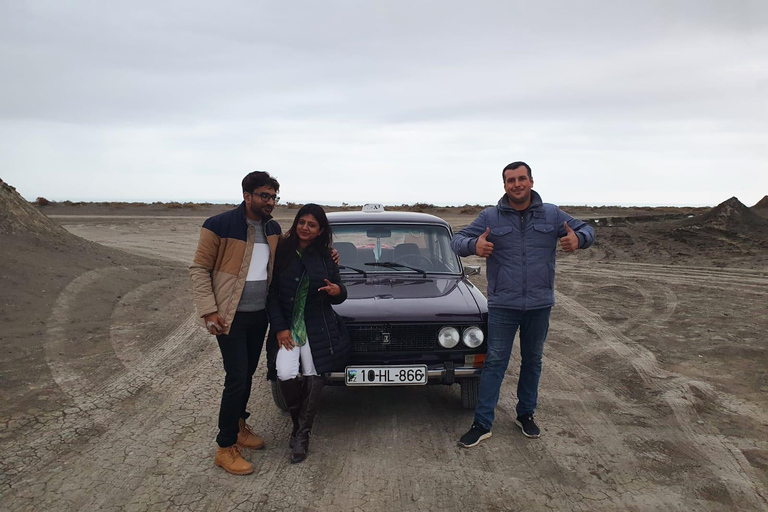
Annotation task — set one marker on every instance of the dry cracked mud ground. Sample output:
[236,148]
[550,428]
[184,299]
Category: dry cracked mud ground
[654,394]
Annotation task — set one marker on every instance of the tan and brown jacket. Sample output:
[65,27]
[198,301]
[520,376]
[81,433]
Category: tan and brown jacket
[223,256]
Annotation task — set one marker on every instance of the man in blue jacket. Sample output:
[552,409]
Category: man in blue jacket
[518,237]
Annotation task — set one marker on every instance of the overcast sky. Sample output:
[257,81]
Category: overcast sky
[610,102]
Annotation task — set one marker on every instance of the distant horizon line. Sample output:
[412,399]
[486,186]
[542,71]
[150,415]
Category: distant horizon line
[349,205]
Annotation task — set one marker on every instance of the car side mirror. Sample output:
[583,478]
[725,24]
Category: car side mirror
[471,270]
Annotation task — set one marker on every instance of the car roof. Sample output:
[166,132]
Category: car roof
[384,217]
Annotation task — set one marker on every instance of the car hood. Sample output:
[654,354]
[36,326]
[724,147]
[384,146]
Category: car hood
[411,299]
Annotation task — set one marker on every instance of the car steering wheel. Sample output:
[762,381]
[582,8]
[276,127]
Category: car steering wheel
[423,262]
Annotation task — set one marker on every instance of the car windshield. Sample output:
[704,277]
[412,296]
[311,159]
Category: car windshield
[395,248]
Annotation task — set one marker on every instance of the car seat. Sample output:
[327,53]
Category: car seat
[347,253]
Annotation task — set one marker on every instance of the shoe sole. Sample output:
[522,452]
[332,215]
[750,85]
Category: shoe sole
[481,438]
[526,434]
[242,473]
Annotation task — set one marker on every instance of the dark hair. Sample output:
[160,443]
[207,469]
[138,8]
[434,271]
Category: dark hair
[256,179]
[515,165]
[286,249]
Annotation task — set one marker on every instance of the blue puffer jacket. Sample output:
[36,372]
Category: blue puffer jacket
[521,269]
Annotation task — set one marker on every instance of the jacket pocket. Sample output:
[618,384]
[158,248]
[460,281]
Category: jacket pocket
[545,235]
[501,231]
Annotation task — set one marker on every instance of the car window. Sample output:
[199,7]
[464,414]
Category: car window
[368,246]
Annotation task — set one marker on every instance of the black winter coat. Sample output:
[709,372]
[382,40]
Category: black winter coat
[328,337]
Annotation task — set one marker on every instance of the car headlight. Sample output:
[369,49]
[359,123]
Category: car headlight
[448,337]
[473,337]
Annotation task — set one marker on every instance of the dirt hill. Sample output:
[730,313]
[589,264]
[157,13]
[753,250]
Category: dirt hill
[730,234]
[761,207]
[732,216]
[17,216]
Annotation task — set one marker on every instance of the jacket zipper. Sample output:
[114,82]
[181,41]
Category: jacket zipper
[524,259]
[327,331]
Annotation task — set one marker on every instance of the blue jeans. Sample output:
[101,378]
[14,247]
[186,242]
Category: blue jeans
[502,326]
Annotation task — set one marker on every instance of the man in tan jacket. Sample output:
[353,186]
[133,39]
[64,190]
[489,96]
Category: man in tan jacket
[230,277]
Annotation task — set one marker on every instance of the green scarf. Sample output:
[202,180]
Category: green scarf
[298,325]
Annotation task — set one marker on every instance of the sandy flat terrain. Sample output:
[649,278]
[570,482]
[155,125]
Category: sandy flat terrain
[654,394]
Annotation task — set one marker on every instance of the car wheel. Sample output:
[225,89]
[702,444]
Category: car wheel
[469,390]
[277,396]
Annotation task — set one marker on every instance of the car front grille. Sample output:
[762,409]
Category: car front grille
[402,338]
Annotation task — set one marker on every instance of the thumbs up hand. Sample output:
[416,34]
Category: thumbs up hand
[570,242]
[483,247]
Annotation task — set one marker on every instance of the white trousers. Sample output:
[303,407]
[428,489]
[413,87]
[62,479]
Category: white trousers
[288,362]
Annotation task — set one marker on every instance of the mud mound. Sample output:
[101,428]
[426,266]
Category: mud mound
[761,207]
[17,216]
[761,204]
[729,234]
[732,216]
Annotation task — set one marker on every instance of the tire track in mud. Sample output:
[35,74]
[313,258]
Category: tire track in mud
[725,460]
[123,440]
[589,402]
[583,447]
[124,324]
[612,452]
[646,313]
[551,474]
[95,403]
[753,281]
[77,385]
[657,316]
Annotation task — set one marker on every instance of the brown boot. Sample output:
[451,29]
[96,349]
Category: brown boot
[313,387]
[292,393]
[230,460]
[246,438]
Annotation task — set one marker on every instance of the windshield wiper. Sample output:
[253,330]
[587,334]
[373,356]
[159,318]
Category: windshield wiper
[355,269]
[392,264]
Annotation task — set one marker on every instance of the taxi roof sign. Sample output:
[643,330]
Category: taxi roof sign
[373,207]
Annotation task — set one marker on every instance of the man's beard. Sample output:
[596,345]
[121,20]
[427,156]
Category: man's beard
[259,211]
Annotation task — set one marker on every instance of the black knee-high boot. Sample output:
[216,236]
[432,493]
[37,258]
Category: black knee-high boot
[293,393]
[313,387]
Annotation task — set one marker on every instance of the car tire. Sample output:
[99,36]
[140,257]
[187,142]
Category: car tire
[469,391]
[277,396]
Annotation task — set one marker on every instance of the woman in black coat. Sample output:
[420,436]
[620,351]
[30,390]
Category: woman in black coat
[305,283]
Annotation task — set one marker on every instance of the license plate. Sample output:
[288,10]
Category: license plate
[385,375]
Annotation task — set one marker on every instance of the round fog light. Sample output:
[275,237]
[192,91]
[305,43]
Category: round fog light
[473,337]
[448,337]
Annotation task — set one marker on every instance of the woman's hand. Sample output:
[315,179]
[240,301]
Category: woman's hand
[330,288]
[285,340]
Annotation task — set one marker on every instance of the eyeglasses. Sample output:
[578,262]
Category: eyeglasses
[266,196]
